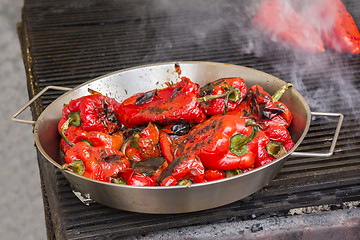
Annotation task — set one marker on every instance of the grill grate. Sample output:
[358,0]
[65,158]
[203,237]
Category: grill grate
[67,43]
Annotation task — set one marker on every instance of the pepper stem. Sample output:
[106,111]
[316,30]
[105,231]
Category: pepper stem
[233,94]
[64,127]
[77,166]
[275,149]
[74,120]
[281,91]
[239,142]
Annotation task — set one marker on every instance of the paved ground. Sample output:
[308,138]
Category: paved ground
[21,208]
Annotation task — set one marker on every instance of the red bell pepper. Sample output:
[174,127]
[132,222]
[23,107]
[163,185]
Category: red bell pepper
[212,175]
[258,146]
[281,135]
[184,170]
[270,144]
[220,143]
[165,145]
[93,138]
[92,113]
[148,142]
[265,109]
[225,94]
[143,173]
[337,28]
[96,163]
[280,21]
[144,144]
[176,103]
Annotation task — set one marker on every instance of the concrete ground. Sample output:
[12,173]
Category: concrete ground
[21,207]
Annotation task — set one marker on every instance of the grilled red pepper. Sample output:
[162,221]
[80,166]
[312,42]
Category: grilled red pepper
[143,173]
[165,145]
[144,144]
[148,142]
[212,175]
[220,143]
[337,28]
[93,138]
[279,20]
[270,144]
[281,135]
[176,103]
[96,163]
[265,109]
[225,94]
[92,113]
[184,170]
[258,146]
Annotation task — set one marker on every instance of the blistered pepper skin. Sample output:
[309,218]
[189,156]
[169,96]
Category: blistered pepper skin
[210,141]
[176,103]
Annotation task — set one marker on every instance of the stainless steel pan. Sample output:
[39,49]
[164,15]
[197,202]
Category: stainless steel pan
[178,199]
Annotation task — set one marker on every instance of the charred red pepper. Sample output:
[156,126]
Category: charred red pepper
[258,146]
[143,173]
[93,138]
[222,95]
[270,144]
[144,144]
[92,113]
[279,20]
[96,163]
[176,103]
[148,142]
[265,109]
[165,145]
[281,135]
[184,170]
[337,27]
[219,142]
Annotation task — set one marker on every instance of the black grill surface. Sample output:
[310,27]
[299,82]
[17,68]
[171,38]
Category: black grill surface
[66,43]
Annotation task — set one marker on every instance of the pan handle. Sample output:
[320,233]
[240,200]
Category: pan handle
[14,117]
[335,138]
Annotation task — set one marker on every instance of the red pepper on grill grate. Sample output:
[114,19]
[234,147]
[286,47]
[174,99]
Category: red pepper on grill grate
[225,95]
[96,163]
[337,28]
[92,113]
[175,103]
[279,20]
[220,143]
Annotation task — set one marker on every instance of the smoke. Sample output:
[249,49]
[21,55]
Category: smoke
[319,77]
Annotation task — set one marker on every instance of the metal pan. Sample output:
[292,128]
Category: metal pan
[177,199]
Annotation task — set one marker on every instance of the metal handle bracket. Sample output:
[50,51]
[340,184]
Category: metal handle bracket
[14,117]
[333,143]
